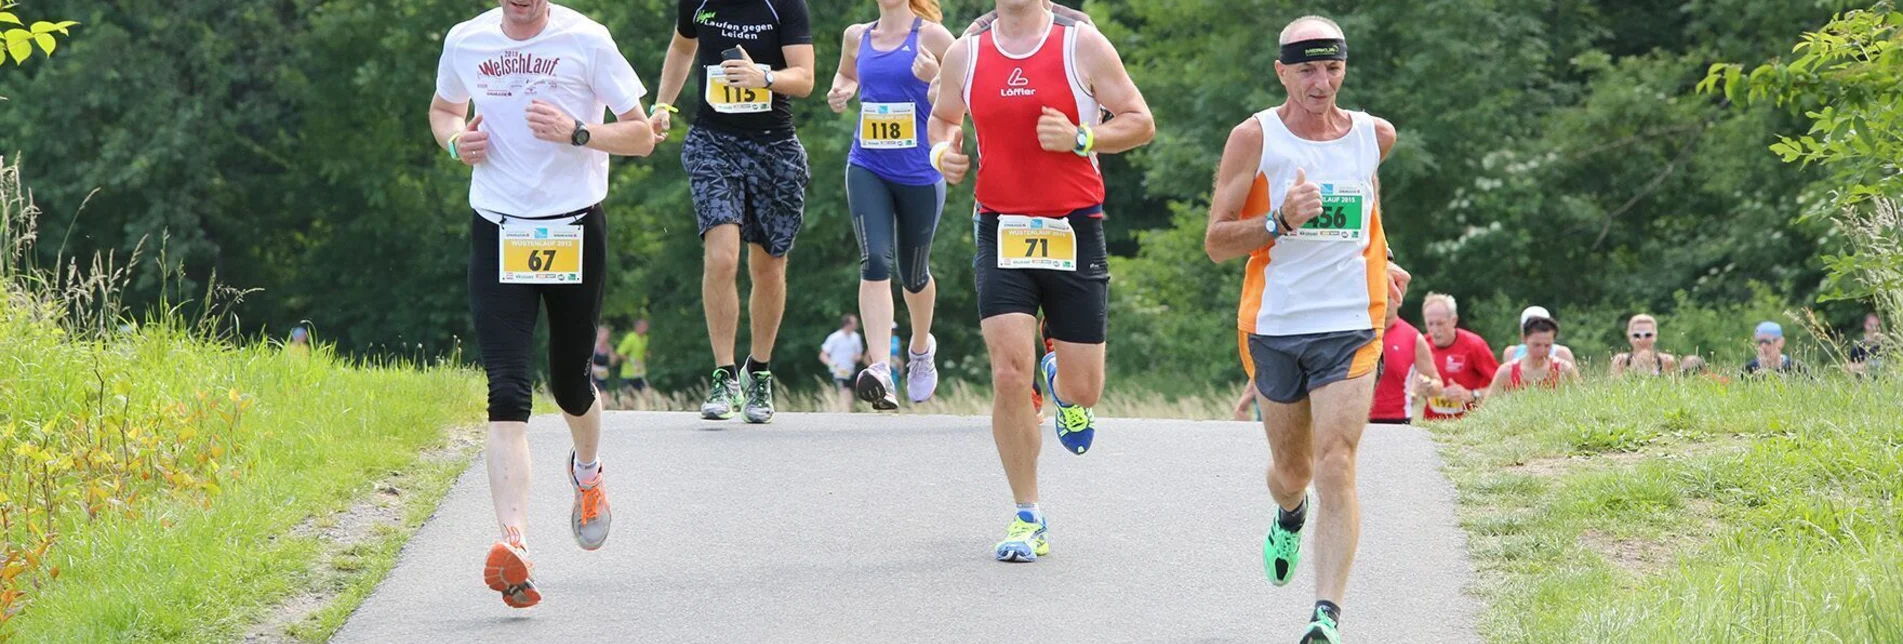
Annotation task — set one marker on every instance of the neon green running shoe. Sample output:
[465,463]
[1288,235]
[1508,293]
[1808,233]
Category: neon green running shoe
[1024,541]
[1282,549]
[1322,629]
[1076,425]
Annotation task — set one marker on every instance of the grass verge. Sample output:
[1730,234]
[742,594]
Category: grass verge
[1686,511]
[205,564]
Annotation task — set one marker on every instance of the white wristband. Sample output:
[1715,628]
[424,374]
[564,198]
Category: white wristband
[938,152]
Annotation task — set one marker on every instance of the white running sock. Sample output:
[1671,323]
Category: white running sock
[586,472]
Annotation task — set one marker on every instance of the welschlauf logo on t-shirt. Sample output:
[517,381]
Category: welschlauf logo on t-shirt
[512,63]
[515,70]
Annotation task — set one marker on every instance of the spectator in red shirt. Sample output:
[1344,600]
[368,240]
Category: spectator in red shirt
[1465,362]
[1407,366]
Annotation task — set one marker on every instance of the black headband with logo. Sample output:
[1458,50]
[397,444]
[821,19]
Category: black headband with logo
[1303,51]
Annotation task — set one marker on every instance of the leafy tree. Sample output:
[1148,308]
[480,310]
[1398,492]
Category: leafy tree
[20,40]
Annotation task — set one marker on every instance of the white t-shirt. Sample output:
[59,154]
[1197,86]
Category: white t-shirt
[574,65]
[842,351]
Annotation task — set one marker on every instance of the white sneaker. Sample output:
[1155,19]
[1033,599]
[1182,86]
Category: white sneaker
[921,374]
[874,385]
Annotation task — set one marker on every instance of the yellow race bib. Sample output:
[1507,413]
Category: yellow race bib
[1036,242]
[533,254]
[888,126]
[729,99]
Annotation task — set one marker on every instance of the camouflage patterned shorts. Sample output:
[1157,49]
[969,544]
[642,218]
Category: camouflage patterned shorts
[759,185]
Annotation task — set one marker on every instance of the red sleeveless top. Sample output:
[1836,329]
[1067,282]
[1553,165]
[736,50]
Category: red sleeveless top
[1007,93]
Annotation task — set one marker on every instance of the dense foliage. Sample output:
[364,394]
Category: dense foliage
[1556,153]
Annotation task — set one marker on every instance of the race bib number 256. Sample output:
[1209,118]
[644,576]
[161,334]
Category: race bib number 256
[1344,214]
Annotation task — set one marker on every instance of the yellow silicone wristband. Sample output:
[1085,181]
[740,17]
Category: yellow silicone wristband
[453,154]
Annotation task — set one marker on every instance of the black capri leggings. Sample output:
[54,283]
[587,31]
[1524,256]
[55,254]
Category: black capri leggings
[885,214]
[505,321]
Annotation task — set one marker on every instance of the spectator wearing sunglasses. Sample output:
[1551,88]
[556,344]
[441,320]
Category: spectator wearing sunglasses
[1771,358]
[1644,358]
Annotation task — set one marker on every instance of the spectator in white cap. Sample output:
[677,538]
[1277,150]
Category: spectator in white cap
[1518,351]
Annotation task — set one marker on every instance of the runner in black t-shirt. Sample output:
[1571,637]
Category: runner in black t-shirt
[747,170]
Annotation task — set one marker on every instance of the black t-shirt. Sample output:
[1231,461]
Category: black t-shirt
[1785,365]
[761,27]
[1864,350]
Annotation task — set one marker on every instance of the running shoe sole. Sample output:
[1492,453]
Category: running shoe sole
[507,572]
[869,389]
[1023,552]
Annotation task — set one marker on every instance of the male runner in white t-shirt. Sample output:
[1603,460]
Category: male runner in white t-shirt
[541,76]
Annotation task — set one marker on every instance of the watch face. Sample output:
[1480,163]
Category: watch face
[580,137]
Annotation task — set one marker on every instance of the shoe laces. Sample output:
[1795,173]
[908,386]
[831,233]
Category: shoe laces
[1021,530]
[724,385]
[592,498]
[762,386]
[1074,417]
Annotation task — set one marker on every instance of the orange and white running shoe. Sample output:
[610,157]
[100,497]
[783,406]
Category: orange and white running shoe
[509,572]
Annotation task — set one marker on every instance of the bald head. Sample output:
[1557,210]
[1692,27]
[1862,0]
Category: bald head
[1310,28]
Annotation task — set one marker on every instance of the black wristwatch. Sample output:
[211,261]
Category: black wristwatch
[580,137]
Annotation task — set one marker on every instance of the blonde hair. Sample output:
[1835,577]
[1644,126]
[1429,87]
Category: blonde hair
[1453,308]
[928,9]
[1636,319]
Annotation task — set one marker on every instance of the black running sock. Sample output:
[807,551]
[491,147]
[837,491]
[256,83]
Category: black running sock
[1333,611]
[1292,521]
[731,371]
[756,366]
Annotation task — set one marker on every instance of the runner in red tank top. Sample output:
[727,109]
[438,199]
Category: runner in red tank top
[1008,95]
[1035,85]
[1407,364]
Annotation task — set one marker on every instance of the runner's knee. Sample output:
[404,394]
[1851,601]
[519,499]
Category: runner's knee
[574,393]
[875,265]
[509,395]
[1079,392]
[1290,474]
[914,272]
[722,265]
[1011,374]
[1335,468]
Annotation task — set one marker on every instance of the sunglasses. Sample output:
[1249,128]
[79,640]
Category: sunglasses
[1641,335]
[1765,341]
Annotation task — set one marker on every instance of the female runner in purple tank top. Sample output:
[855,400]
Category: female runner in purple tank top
[895,195]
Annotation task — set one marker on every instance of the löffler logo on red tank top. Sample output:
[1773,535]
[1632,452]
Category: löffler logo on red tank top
[1016,85]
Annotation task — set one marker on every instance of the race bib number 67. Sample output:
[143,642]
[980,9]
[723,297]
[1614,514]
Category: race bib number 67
[540,254]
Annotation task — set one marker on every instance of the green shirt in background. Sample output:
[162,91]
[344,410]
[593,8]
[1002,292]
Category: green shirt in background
[634,346]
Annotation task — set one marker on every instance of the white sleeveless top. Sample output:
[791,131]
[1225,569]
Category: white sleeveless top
[1331,275]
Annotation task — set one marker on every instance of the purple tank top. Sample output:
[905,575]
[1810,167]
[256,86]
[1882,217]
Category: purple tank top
[885,77]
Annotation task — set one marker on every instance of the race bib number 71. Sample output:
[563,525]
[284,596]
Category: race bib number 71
[1036,242]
